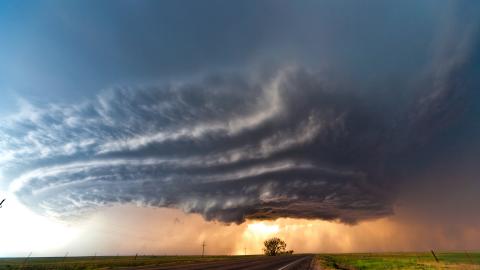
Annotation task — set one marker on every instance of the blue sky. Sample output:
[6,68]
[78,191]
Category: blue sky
[59,52]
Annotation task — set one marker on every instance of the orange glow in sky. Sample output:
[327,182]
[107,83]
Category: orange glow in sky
[172,232]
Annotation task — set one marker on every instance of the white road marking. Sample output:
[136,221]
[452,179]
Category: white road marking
[285,267]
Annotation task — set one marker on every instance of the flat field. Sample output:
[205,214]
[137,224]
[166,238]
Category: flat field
[105,262]
[353,261]
[376,261]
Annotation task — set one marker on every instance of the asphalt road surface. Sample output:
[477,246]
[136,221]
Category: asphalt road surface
[293,262]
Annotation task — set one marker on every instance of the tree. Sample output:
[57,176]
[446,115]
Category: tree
[274,246]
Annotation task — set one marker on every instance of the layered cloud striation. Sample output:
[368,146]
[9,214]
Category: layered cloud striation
[233,147]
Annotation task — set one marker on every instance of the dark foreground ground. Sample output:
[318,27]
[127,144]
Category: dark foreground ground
[293,262]
[354,261]
[287,262]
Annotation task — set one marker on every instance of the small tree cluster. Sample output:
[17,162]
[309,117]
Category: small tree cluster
[275,246]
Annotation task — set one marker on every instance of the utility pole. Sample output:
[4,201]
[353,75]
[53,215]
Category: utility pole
[203,248]
[435,256]
[26,259]
[470,258]
[94,257]
[64,258]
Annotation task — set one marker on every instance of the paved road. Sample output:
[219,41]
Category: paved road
[293,262]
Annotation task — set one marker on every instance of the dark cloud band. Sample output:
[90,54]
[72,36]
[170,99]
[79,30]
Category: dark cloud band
[229,147]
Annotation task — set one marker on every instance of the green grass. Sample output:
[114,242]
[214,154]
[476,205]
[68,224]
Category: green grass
[90,263]
[377,261]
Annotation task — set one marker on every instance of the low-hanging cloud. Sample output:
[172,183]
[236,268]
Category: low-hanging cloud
[232,147]
[228,147]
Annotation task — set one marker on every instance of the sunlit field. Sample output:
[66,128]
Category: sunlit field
[374,261]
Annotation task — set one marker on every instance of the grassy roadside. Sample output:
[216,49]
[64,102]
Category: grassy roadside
[377,261]
[90,263]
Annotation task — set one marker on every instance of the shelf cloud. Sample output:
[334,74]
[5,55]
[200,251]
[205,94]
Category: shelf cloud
[292,140]
[230,147]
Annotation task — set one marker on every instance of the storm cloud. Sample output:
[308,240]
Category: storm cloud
[291,140]
[231,147]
